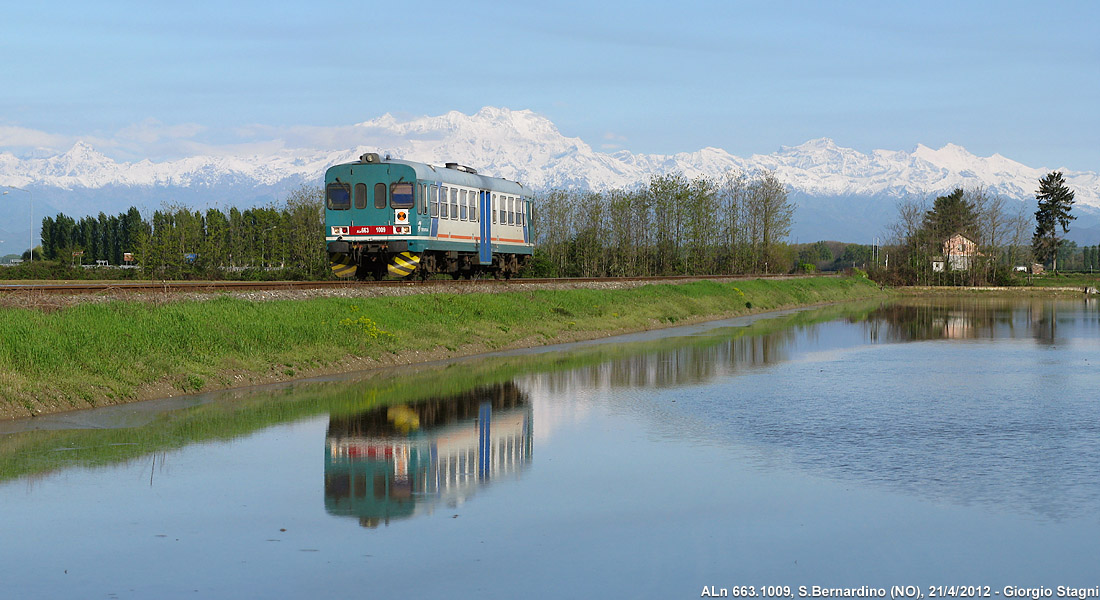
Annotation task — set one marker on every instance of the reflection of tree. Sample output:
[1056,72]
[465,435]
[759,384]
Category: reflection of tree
[969,318]
[400,460]
[958,422]
[708,357]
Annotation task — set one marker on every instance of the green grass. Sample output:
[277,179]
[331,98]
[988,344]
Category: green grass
[1063,279]
[93,354]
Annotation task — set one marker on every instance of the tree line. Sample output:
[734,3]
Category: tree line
[1001,236]
[1000,233]
[833,256]
[180,242]
[1072,257]
[106,238]
[671,226]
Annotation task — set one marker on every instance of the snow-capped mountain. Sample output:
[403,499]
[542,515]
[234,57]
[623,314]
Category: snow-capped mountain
[521,145]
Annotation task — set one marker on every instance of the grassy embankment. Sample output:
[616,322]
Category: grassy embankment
[1021,285]
[1061,279]
[96,354]
[241,412]
[1069,284]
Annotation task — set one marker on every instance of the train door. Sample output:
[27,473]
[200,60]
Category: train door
[525,211]
[437,207]
[485,245]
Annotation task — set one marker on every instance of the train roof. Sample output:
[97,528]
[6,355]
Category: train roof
[452,173]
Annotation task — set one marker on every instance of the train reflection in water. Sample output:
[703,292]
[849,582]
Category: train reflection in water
[399,461]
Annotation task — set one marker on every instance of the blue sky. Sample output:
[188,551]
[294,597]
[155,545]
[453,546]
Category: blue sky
[161,80]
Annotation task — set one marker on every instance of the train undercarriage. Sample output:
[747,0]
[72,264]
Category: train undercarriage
[367,263]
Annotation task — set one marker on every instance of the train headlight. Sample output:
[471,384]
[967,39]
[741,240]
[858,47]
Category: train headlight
[339,230]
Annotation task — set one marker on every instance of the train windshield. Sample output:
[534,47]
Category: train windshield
[401,196]
[338,196]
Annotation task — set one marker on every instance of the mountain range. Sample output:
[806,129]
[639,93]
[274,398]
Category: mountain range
[841,193]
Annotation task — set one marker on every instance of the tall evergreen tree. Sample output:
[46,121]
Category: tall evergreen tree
[1055,202]
[951,214]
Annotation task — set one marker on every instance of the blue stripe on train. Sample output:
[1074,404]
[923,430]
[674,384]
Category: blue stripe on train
[485,247]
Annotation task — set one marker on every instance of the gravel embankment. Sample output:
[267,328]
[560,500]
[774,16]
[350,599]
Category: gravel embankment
[51,301]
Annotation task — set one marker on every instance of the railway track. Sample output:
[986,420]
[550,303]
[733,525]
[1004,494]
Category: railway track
[167,287]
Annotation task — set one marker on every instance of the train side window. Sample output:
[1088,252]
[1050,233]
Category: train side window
[475,213]
[360,195]
[511,210]
[401,195]
[493,207]
[454,203]
[434,190]
[338,196]
[380,195]
[462,205]
[443,204]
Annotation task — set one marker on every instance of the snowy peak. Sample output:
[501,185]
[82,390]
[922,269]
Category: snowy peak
[951,157]
[527,147]
[80,160]
[811,146]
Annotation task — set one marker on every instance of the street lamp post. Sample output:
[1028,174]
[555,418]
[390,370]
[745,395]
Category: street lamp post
[30,220]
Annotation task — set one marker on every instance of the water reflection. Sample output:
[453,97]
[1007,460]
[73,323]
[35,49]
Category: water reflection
[401,460]
[983,318]
[689,361]
[1011,424]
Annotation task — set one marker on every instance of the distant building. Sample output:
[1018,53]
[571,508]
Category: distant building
[958,254]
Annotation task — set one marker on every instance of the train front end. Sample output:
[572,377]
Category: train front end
[371,220]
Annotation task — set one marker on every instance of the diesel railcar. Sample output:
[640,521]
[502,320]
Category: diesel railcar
[411,219]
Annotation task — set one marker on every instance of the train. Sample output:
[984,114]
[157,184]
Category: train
[400,461]
[407,219]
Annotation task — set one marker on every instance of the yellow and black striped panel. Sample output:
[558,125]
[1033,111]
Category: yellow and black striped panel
[342,265]
[403,264]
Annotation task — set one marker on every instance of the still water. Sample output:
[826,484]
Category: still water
[913,443]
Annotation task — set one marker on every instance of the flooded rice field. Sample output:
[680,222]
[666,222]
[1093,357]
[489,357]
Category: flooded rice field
[912,443]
